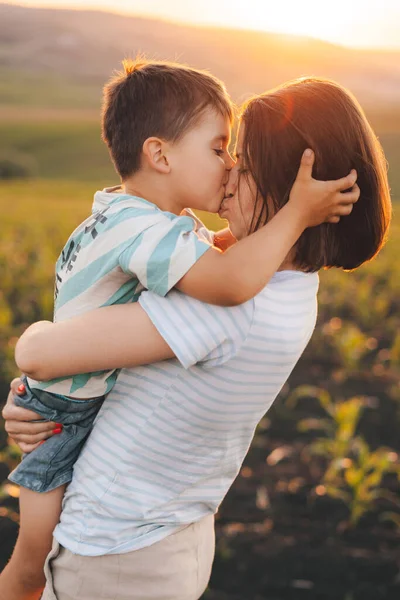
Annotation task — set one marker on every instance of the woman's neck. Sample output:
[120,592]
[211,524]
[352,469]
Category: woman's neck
[288,266]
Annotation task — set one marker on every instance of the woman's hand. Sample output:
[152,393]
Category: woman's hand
[18,422]
[322,201]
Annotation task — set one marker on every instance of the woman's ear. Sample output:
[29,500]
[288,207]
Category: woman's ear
[154,153]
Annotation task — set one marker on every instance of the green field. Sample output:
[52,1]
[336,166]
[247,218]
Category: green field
[58,149]
[37,218]
[67,145]
[38,215]
[48,91]
[354,355]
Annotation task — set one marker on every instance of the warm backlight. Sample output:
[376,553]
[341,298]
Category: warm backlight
[349,22]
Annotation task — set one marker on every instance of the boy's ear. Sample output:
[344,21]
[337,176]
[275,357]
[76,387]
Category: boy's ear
[154,151]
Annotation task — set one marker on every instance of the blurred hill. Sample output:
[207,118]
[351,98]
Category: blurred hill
[54,63]
[62,57]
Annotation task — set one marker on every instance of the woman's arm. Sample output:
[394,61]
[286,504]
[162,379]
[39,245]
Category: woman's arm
[111,337]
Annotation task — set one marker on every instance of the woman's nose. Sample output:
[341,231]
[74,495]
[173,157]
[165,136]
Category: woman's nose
[229,162]
[230,188]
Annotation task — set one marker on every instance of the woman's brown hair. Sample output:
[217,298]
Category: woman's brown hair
[322,115]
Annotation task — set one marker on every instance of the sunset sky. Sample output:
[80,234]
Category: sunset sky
[362,23]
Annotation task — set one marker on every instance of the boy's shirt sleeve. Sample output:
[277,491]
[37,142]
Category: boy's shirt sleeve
[198,333]
[201,229]
[164,252]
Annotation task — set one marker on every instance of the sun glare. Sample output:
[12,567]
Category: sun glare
[329,21]
[348,22]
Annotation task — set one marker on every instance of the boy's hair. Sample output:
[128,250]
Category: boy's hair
[319,114]
[160,99]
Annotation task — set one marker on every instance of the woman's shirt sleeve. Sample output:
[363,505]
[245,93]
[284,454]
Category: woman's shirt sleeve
[198,332]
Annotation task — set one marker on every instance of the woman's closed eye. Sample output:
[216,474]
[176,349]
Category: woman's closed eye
[219,151]
[240,166]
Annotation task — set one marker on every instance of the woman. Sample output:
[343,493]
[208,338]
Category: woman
[138,516]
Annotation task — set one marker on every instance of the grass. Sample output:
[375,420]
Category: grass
[37,218]
[60,204]
[357,333]
[30,88]
[64,144]
[391,144]
[58,149]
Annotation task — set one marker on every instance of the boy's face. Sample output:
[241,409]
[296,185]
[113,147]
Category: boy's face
[200,163]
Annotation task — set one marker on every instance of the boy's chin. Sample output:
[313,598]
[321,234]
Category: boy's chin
[211,206]
[215,206]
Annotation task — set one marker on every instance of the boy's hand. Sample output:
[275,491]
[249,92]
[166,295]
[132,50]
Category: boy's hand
[322,201]
[19,422]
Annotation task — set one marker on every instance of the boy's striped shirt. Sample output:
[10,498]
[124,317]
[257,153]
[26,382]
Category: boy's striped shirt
[125,246]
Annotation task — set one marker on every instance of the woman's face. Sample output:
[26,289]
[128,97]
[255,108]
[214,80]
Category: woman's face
[238,207]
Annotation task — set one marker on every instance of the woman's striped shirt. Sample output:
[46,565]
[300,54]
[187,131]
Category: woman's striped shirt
[171,436]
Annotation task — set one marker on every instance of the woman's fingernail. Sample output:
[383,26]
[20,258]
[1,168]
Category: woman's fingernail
[308,152]
[40,443]
[59,425]
[56,431]
[21,388]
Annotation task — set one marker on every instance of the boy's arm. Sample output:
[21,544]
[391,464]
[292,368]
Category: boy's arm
[56,348]
[153,329]
[48,350]
[235,276]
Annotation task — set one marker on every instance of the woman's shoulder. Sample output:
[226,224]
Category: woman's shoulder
[289,294]
[293,282]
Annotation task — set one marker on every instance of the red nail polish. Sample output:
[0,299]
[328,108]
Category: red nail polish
[59,425]
[57,431]
[40,443]
[21,388]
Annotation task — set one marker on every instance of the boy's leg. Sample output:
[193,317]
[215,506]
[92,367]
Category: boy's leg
[23,577]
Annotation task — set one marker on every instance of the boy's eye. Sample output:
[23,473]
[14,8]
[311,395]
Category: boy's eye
[243,170]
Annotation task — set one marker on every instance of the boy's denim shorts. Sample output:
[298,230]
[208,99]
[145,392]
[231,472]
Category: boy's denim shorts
[50,464]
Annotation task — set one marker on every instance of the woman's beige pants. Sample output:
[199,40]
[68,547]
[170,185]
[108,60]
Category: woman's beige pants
[176,568]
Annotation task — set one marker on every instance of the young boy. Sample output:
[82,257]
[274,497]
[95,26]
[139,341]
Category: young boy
[168,131]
